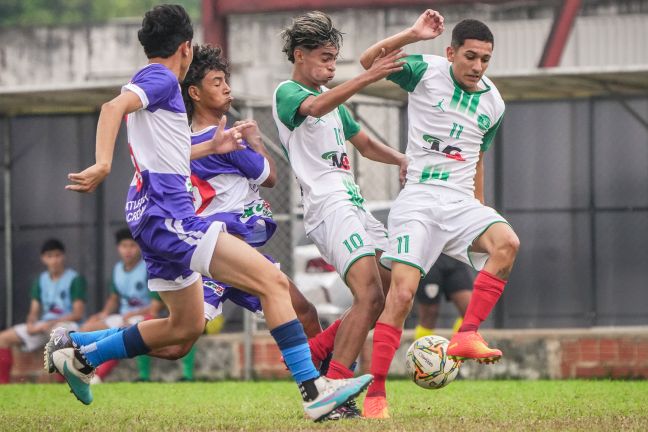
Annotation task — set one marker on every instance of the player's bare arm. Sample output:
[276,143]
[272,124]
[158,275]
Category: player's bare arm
[479,178]
[382,66]
[428,26]
[379,152]
[252,136]
[224,141]
[110,307]
[110,120]
[32,318]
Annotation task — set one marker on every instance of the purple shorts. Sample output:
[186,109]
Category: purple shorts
[217,292]
[176,251]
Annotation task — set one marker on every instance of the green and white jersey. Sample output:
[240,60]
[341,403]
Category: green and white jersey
[316,148]
[448,126]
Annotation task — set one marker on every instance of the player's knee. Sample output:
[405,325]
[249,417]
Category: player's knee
[190,330]
[275,284]
[507,248]
[177,352]
[373,298]
[403,295]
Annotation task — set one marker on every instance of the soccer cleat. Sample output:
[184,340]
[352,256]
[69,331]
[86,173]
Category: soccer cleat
[348,410]
[375,407]
[76,372]
[470,345]
[59,339]
[334,393]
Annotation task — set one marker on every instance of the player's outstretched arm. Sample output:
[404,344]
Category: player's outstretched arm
[379,152]
[384,65]
[253,137]
[428,26]
[224,141]
[110,119]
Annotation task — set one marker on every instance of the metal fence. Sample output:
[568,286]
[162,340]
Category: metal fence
[571,176]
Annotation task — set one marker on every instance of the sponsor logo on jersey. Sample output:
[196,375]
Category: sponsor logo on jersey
[483,122]
[451,152]
[216,288]
[338,159]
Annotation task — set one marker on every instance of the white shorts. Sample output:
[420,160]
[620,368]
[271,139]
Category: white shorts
[32,342]
[348,234]
[425,223]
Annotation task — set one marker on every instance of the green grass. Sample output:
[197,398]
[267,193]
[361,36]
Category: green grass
[462,406]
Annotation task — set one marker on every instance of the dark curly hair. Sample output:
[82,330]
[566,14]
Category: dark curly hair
[310,30]
[205,58]
[164,28]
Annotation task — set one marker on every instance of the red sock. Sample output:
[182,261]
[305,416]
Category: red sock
[338,371]
[105,368]
[386,340]
[322,344]
[487,289]
[6,360]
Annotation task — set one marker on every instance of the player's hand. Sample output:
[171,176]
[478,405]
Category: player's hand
[226,141]
[88,179]
[428,26]
[402,170]
[252,134]
[386,64]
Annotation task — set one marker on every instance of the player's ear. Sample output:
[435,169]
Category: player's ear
[450,53]
[194,93]
[298,53]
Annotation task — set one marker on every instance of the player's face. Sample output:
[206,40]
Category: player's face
[186,57]
[318,65]
[54,261]
[470,61]
[214,93]
[129,251]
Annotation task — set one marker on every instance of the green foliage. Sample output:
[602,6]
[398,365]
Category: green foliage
[462,406]
[57,12]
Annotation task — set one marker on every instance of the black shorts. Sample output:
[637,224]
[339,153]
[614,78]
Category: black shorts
[446,276]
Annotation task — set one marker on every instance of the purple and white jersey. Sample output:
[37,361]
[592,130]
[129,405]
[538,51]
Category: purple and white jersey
[221,182]
[158,136]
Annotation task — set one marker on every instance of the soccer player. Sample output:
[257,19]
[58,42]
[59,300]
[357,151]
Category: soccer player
[58,297]
[448,277]
[313,128]
[454,112]
[178,246]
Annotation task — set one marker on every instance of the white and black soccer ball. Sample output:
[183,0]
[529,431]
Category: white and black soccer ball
[428,364]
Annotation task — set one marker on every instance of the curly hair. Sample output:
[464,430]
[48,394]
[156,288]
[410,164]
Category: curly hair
[164,28]
[310,30]
[205,58]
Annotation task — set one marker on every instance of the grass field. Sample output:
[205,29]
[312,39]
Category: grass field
[463,406]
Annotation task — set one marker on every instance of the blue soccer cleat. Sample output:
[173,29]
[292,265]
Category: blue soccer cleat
[333,394]
[76,372]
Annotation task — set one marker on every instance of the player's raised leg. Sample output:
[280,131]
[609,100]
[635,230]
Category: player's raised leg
[387,334]
[238,264]
[501,244]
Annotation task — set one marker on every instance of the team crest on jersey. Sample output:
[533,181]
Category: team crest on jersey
[483,122]
[451,152]
[218,290]
[338,159]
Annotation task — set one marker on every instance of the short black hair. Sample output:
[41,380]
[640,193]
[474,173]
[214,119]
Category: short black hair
[52,244]
[310,30]
[123,234]
[164,28]
[205,58]
[471,29]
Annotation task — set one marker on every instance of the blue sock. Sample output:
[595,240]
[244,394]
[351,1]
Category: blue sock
[127,343]
[86,338]
[294,348]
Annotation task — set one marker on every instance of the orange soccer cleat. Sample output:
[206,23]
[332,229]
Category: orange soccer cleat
[375,407]
[470,345]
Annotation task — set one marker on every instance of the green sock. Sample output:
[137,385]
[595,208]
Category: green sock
[188,364]
[144,366]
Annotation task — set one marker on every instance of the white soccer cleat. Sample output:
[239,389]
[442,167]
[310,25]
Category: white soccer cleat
[333,394]
[77,374]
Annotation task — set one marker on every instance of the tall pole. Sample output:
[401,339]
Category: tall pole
[8,223]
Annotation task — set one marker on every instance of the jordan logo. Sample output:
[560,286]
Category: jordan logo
[439,105]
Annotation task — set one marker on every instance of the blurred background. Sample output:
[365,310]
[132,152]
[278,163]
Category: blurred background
[568,168]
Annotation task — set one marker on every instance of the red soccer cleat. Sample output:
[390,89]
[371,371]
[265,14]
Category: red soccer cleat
[470,345]
[375,407]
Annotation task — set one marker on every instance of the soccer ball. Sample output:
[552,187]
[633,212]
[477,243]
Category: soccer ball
[428,365]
